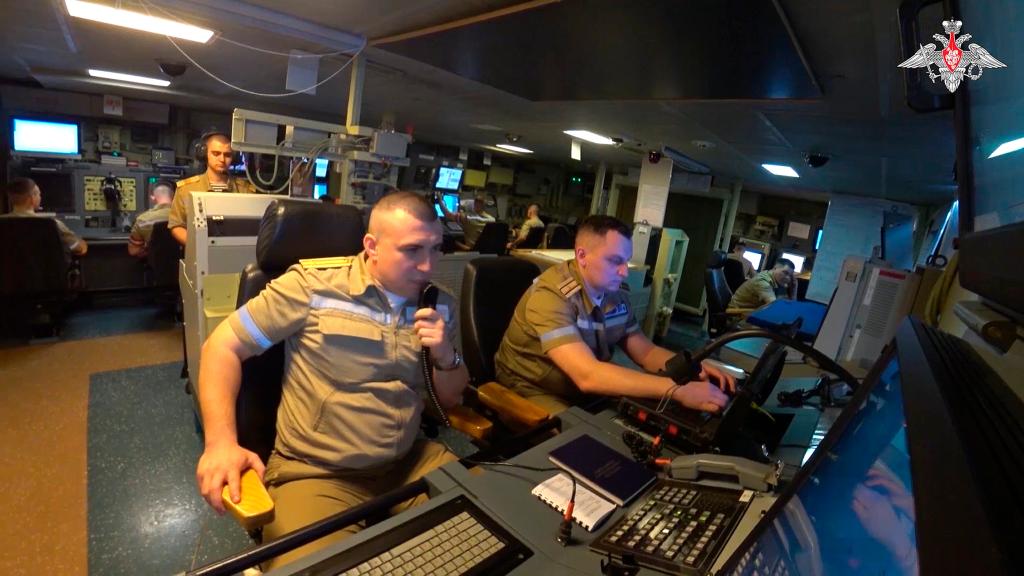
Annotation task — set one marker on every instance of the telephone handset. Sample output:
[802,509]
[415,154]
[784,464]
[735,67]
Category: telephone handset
[428,299]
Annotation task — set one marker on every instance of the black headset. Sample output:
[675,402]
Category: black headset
[199,148]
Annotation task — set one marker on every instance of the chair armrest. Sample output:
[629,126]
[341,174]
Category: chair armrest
[514,410]
[470,423]
[256,508]
[744,312]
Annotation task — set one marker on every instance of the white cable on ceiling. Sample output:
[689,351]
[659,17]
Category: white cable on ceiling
[146,5]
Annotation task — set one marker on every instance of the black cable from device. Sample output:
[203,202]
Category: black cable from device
[564,536]
[824,361]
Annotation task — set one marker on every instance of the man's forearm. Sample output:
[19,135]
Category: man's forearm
[220,375]
[180,234]
[613,380]
[655,359]
[449,385]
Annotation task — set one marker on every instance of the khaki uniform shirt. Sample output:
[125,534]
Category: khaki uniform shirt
[142,230]
[67,237]
[756,292]
[748,268]
[200,183]
[353,389]
[524,230]
[472,225]
[557,310]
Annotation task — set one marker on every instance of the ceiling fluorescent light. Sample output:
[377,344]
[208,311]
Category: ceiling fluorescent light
[128,78]
[512,148]
[780,170]
[1007,147]
[137,21]
[590,137]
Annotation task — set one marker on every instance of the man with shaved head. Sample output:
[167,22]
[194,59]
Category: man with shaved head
[216,178]
[558,346]
[353,389]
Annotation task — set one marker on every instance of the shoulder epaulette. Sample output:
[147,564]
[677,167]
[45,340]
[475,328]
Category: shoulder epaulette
[329,262]
[568,287]
[190,180]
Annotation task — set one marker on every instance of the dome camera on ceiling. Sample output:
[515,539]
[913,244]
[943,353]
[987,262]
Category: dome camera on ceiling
[816,160]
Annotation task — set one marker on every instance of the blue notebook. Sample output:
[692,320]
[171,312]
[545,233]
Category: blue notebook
[604,470]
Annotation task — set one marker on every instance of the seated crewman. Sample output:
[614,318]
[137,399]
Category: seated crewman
[766,286]
[737,255]
[353,390]
[559,343]
[472,218]
[24,198]
[532,221]
[142,230]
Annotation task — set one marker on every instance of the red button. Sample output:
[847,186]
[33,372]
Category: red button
[641,415]
[672,430]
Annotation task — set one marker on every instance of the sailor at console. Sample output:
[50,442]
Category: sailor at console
[558,346]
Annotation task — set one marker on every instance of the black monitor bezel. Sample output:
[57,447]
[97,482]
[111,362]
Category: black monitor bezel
[437,176]
[827,443]
[43,118]
[947,492]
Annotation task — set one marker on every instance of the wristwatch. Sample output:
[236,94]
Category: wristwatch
[455,363]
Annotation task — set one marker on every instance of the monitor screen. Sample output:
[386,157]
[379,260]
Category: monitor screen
[755,257]
[321,168]
[853,512]
[56,190]
[797,260]
[45,138]
[319,189]
[448,178]
[451,202]
[817,240]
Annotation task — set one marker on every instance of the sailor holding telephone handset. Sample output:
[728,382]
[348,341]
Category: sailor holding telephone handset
[355,382]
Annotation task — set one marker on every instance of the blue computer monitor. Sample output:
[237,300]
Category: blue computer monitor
[448,178]
[321,168]
[319,189]
[860,487]
[451,202]
[45,138]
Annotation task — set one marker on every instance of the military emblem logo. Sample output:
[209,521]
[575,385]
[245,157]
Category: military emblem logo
[952,63]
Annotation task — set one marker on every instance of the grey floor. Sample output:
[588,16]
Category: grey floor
[145,515]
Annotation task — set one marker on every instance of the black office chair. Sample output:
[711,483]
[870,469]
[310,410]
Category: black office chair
[290,230]
[558,237]
[34,283]
[734,276]
[491,290]
[493,239]
[533,238]
[162,258]
[720,317]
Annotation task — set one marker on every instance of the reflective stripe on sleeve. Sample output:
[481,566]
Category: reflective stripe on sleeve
[558,333]
[254,331]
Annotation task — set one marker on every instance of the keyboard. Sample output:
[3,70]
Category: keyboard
[454,538]
[677,528]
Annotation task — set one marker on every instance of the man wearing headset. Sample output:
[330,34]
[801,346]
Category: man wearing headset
[215,149]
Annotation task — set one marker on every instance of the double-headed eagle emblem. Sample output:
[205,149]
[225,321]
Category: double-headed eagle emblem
[952,63]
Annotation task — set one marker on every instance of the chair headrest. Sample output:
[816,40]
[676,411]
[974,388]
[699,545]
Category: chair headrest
[717,259]
[292,230]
